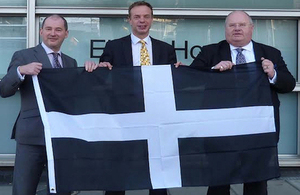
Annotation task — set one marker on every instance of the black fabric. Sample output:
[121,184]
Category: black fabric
[244,85]
[104,91]
[101,165]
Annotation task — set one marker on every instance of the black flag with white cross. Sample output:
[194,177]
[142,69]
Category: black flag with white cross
[156,127]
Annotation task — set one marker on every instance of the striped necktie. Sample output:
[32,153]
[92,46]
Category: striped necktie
[145,60]
[56,63]
[240,58]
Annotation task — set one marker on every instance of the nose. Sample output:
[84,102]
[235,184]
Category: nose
[142,19]
[52,32]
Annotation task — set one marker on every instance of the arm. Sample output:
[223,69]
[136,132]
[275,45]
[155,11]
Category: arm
[285,82]
[208,57]
[11,82]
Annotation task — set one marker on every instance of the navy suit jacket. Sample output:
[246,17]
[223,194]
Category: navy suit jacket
[118,52]
[211,55]
[28,128]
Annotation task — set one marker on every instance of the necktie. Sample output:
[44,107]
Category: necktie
[56,63]
[240,58]
[145,60]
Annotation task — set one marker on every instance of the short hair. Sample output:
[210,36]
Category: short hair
[56,16]
[140,3]
[250,19]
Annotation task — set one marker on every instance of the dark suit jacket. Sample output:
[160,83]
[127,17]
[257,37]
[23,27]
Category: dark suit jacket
[211,55]
[118,52]
[28,128]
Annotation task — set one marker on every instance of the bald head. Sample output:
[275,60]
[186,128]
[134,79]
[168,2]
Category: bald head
[238,28]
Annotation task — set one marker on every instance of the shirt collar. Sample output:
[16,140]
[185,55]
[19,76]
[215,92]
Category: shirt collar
[248,47]
[135,39]
[48,50]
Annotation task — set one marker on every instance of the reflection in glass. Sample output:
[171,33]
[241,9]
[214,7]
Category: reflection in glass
[13,2]
[12,38]
[253,4]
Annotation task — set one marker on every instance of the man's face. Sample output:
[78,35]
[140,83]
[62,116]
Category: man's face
[238,29]
[53,33]
[140,21]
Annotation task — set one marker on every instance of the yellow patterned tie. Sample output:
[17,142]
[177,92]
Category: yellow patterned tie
[145,60]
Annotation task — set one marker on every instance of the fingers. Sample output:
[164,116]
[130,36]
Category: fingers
[223,66]
[90,66]
[177,64]
[268,67]
[33,68]
[105,64]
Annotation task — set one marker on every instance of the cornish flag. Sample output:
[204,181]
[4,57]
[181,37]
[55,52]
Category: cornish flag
[155,127]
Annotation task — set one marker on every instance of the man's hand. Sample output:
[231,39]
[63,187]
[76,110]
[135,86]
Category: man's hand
[106,64]
[177,64]
[223,65]
[268,67]
[90,66]
[33,68]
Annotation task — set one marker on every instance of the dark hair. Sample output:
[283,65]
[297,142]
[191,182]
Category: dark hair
[56,16]
[140,3]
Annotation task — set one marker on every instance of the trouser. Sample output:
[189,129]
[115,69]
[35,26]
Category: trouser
[151,192]
[30,162]
[254,188]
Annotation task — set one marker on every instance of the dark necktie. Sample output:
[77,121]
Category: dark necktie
[240,58]
[56,63]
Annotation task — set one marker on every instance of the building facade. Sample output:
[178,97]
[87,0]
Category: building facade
[187,24]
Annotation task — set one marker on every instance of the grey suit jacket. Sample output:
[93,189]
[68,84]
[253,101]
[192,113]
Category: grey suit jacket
[118,52]
[28,128]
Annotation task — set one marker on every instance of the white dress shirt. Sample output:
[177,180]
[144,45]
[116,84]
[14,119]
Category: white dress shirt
[50,55]
[136,49]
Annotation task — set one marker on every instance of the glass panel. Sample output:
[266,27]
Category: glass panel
[200,32]
[13,2]
[12,38]
[231,4]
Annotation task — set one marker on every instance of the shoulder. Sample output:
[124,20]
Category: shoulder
[117,41]
[26,53]
[221,44]
[265,47]
[160,43]
[156,41]
[215,47]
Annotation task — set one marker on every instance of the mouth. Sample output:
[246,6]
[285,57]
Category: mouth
[237,34]
[52,39]
[142,27]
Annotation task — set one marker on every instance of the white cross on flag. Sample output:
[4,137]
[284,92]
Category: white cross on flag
[156,127]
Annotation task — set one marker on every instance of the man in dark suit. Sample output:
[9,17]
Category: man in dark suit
[28,130]
[126,51]
[239,48]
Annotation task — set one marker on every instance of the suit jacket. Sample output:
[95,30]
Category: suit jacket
[118,52]
[211,55]
[28,128]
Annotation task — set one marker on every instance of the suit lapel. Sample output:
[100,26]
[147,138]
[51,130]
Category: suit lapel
[127,49]
[41,56]
[155,51]
[225,52]
[258,52]
[65,63]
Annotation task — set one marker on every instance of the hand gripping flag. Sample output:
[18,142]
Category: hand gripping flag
[156,127]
